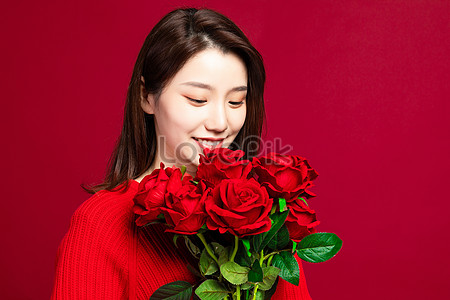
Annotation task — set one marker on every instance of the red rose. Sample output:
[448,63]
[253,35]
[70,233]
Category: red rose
[285,176]
[184,208]
[239,206]
[301,220]
[222,163]
[150,195]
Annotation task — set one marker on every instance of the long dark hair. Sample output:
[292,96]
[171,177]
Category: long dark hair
[175,38]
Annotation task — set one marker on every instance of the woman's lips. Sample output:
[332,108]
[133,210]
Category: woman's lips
[203,146]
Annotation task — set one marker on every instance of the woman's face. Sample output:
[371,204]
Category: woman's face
[205,100]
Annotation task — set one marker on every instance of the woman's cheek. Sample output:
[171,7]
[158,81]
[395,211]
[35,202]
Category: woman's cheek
[238,120]
[188,154]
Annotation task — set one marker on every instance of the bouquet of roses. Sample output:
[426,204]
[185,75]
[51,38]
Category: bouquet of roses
[243,219]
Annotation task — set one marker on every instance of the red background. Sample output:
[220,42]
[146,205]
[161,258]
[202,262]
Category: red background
[360,88]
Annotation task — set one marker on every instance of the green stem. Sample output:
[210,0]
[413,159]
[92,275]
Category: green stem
[238,292]
[208,249]
[236,245]
[275,252]
[261,258]
[269,260]
[270,254]
[254,292]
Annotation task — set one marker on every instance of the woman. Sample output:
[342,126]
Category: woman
[197,82]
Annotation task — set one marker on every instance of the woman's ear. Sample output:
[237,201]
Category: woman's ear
[147,99]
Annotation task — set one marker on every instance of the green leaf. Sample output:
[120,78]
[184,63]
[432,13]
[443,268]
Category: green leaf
[234,273]
[289,269]
[183,169]
[247,246]
[256,273]
[217,248]
[294,246]
[282,203]
[211,290]
[269,277]
[242,257]
[303,200]
[319,247]
[260,241]
[175,238]
[177,290]
[257,240]
[195,251]
[246,286]
[224,255]
[269,293]
[207,264]
[280,240]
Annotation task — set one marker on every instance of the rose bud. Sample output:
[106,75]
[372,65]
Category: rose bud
[301,220]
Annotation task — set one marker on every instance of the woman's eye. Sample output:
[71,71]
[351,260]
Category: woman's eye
[236,103]
[196,101]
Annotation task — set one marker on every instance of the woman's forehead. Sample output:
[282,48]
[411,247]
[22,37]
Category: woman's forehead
[211,69]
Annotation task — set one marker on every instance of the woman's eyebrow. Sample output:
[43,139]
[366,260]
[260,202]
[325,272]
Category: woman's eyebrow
[208,87]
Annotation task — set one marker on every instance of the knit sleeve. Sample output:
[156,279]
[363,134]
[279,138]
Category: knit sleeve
[92,259]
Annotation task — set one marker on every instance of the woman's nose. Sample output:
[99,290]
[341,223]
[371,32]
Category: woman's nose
[217,118]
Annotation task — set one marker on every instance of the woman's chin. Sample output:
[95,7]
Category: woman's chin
[191,166]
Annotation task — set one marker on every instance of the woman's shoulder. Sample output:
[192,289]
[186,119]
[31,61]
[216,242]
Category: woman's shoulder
[107,207]
[93,256]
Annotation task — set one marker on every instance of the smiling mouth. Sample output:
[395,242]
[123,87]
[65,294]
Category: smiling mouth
[209,144]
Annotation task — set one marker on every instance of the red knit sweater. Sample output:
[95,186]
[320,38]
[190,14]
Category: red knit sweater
[104,255]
